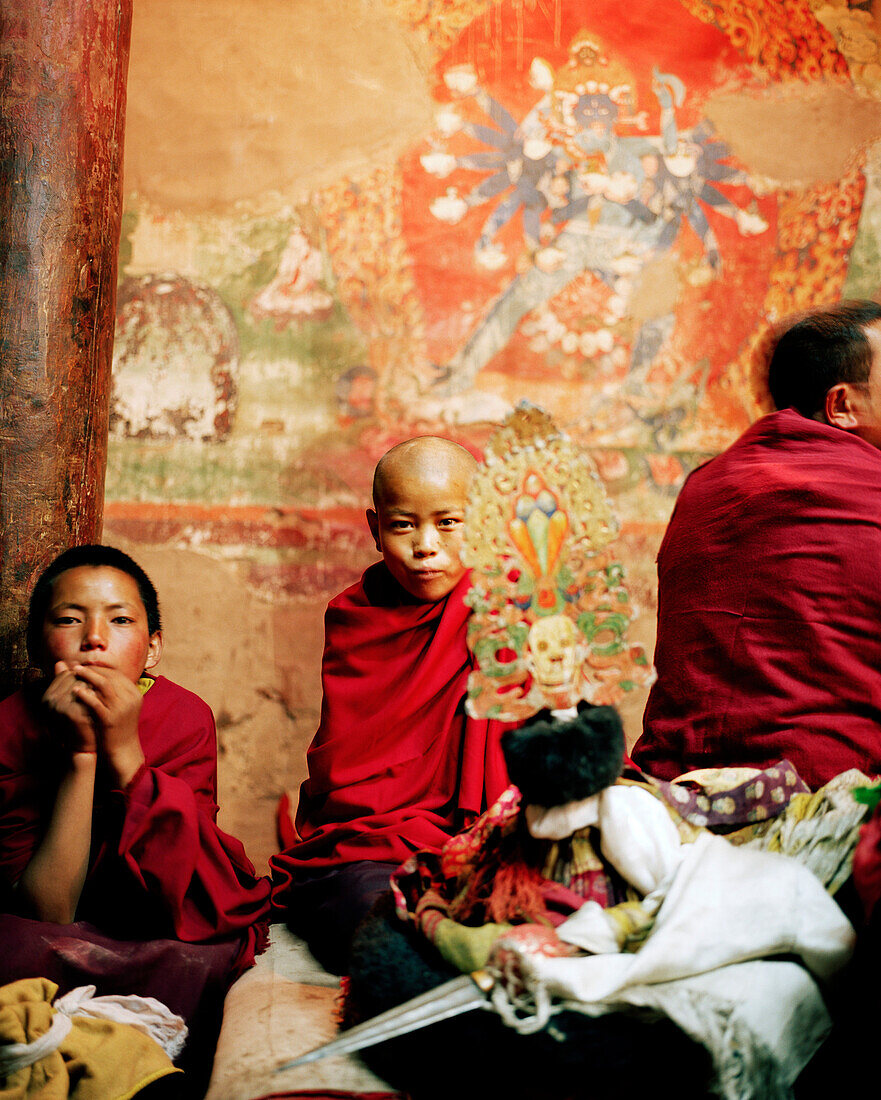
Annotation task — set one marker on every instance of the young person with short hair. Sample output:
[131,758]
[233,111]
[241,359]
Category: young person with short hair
[113,870]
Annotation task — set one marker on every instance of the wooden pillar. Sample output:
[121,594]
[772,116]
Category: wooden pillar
[63,66]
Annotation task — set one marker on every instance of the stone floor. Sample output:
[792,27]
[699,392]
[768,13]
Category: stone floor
[281,1008]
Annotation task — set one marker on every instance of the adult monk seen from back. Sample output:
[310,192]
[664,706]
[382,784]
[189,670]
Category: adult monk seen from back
[769,575]
[396,765]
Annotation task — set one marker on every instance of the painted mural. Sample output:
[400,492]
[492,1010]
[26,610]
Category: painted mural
[607,206]
[574,230]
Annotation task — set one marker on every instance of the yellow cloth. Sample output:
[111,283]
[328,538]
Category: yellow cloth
[98,1059]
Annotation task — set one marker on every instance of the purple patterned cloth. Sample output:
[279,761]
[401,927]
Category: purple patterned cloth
[759,798]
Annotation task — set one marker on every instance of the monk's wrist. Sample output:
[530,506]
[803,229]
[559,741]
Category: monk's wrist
[83,761]
[126,764]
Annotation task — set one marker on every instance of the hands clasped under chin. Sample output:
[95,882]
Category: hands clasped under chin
[97,711]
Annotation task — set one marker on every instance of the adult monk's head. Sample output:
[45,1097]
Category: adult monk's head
[420,490]
[827,366]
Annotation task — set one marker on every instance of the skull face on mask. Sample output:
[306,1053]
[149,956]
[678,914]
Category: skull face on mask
[553,651]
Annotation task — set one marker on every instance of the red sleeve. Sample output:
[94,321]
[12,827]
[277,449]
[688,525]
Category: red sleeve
[170,844]
[867,865]
[26,791]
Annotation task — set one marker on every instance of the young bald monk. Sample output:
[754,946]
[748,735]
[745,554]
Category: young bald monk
[396,765]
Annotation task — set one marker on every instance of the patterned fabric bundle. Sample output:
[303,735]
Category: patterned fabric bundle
[619,901]
[496,875]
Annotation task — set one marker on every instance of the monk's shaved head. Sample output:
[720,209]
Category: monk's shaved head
[424,459]
[420,495]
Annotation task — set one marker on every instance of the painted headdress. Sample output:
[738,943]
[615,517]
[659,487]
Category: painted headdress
[592,68]
[550,610]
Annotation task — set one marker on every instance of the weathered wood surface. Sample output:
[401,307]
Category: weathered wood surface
[63,68]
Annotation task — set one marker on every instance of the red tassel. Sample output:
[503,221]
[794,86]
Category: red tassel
[505,889]
[516,894]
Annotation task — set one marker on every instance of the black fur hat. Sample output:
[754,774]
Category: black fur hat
[554,761]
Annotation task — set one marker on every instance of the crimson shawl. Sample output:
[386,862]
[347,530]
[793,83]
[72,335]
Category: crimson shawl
[160,866]
[769,609]
[396,765]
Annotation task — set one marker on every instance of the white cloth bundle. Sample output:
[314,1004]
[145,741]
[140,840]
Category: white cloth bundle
[722,914]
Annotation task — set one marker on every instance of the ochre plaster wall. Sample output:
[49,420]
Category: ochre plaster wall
[320,259]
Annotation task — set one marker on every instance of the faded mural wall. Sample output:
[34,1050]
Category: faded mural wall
[348,222]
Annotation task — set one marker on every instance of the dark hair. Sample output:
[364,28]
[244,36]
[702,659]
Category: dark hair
[96,556]
[819,350]
[556,760]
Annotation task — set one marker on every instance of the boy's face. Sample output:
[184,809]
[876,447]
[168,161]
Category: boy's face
[419,525]
[96,617]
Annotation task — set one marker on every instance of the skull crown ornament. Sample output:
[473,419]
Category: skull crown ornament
[550,612]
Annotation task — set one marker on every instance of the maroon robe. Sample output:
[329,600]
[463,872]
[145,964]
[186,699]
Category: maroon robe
[159,866]
[171,907]
[396,766]
[769,609]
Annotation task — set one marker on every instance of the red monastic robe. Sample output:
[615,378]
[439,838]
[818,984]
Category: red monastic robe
[160,867]
[867,867]
[769,609]
[396,765]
